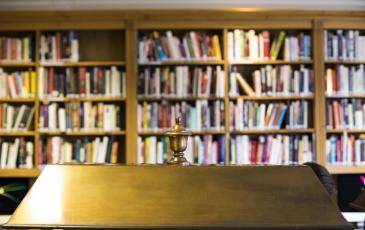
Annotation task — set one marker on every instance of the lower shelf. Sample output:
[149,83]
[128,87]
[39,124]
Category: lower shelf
[346,169]
[19,173]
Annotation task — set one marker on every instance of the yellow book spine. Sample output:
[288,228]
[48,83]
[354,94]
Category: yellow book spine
[33,80]
[147,150]
[25,49]
[216,47]
[26,86]
[145,116]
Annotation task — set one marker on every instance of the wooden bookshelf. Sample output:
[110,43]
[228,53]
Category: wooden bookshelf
[83,63]
[84,99]
[189,98]
[269,62]
[17,100]
[162,133]
[115,33]
[341,131]
[270,98]
[183,62]
[20,173]
[82,133]
[272,131]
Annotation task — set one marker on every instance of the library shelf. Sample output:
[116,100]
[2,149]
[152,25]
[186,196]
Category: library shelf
[82,63]
[82,133]
[182,62]
[269,62]
[273,97]
[349,169]
[345,62]
[17,64]
[20,173]
[162,133]
[339,96]
[82,99]
[18,100]
[271,131]
[16,133]
[334,131]
[173,98]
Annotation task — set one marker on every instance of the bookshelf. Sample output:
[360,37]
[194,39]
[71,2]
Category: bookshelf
[343,76]
[114,38]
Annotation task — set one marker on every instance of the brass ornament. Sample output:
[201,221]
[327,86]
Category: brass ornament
[178,138]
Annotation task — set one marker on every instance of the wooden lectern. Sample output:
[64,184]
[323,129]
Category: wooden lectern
[168,197]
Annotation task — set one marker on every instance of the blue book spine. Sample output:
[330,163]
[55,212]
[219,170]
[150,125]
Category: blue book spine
[282,115]
[340,45]
[222,150]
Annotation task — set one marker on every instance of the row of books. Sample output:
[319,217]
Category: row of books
[269,80]
[345,80]
[58,150]
[16,49]
[193,45]
[59,46]
[79,116]
[16,154]
[17,84]
[344,45]
[345,113]
[206,149]
[270,149]
[81,82]
[345,150]
[259,46]
[15,118]
[253,115]
[201,115]
[181,82]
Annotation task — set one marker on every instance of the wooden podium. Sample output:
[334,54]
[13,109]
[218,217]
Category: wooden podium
[173,197]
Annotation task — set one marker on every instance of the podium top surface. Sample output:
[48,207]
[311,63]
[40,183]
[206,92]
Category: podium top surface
[207,197]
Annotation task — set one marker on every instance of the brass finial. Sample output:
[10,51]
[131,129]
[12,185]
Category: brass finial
[178,137]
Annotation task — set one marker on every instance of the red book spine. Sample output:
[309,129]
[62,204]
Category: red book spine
[82,80]
[49,151]
[253,152]
[268,149]
[100,81]
[266,37]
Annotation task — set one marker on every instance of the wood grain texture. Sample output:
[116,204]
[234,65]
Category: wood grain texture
[150,197]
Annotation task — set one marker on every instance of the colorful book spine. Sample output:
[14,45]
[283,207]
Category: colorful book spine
[81,82]
[199,116]
[270,149]
[59,150]
[272,81]
[206,149]
[279,115]
[80,116]
[59,47]
[193,45]
[17,84]
[345,114]
[343,45]
[251,45]
[181,81]
[16,49]
[18,153]
[347,150]
[345,80]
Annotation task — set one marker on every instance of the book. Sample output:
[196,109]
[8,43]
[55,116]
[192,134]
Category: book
[17,84]
[16,49]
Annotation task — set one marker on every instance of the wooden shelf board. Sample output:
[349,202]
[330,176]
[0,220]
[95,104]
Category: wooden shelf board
[333,131]
[82,63]
[272,131]
[346,169]
[16,64]
[358,96]
[17,133]
[183,62]
[18,100]
[72,99]
[161,133]
[270,98]
[83,133]
[344,62]
[20,173]
[269,62]
[192,98]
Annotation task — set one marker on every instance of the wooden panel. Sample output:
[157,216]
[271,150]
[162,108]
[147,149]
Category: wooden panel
[19,173]
[345,24]
[129,197]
